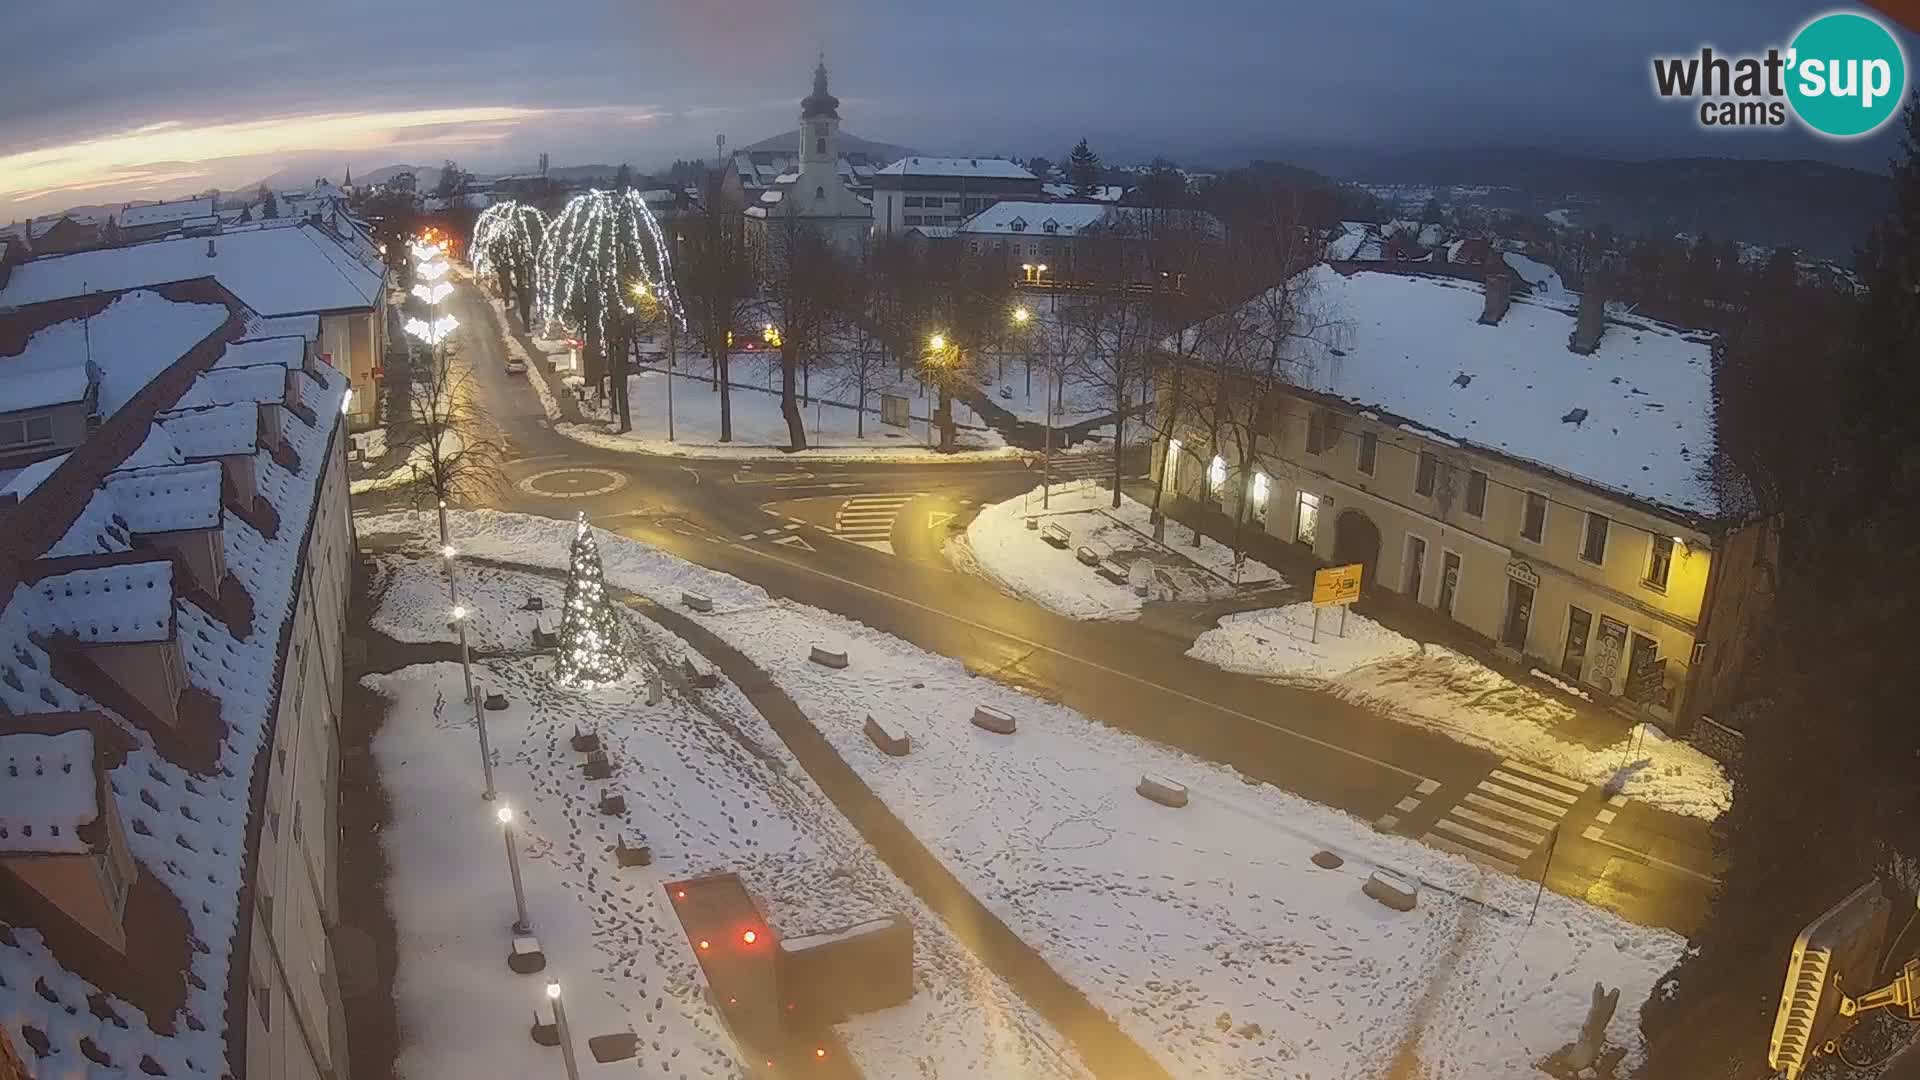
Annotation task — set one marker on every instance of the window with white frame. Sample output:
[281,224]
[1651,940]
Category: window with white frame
[1477,493]
[1261,494]
[1660,562]
[1593,545]
[1533,520]
[1306,520]
[22,431]
[1428,475]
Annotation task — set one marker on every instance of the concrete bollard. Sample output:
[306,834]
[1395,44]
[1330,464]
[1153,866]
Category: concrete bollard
[697,601]
[1392,890]
[632,851]
[988,718]
[654,689]
[825,657]
[1162,790]
[889,738]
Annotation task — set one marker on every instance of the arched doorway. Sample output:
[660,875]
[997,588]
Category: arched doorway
[1356,539]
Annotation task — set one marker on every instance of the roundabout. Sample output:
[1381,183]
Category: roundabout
[575,482]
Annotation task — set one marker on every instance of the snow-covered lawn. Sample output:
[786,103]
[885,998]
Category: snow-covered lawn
[759,426]
[999,544]
[709,785]
[418,463]
[1205,931]
[1283,642]
[1434,687]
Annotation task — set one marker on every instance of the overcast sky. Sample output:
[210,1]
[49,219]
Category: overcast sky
[107,101]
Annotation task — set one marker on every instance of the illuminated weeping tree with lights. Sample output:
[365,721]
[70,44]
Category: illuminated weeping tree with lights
[590,648]
[597,251]
[506,246]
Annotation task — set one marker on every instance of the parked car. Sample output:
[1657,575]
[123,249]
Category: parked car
[516,366]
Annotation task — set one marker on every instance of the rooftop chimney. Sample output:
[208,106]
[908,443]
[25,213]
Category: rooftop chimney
[1499,295]
[1587,326]
[211,252]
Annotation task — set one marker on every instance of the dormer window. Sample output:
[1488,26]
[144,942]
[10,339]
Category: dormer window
[1051,226]
[1018,225]
[20,432]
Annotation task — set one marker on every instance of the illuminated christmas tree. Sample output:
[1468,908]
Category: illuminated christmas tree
[590,649]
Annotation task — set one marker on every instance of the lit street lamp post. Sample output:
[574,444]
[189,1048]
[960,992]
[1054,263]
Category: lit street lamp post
[466,663]
[566,1036]
[522,924]
[486,754]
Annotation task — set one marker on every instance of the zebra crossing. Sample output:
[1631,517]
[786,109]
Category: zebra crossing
[867,520]
[1082,466]
[1507,816]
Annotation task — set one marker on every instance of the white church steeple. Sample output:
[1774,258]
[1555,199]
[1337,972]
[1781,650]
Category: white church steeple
[820,122]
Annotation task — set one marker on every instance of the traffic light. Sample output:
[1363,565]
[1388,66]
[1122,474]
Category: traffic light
[1837,955]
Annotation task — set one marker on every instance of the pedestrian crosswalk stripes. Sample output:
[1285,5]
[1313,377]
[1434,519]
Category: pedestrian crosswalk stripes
[867,520]
[1507,816]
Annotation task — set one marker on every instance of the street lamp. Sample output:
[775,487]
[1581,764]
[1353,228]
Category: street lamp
[466,666]
[523,925]
[566,1036]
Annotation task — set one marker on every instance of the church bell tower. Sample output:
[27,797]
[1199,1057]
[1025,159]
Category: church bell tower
[820,123]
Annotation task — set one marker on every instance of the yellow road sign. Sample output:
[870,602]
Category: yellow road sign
[1336,585]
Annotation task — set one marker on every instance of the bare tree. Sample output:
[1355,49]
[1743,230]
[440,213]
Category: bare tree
[804,287]
[450,442]
[970,313]
[1114,324]
[716,279]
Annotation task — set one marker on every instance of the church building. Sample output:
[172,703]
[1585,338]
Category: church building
[814,195]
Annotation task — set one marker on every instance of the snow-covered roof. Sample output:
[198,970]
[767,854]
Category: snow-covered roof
[1414,346]
[128,602]
[1101,193]
[47,792]
[287,270]
[1358,240]
[157,449]
[1021,216]
[286,352]
[998,168]
[187,821]
[259,384]
[213,431]
[22,482]
[305,326]
[135,338]
[164,213]
[167,498]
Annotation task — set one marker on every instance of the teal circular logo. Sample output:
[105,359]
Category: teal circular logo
[1846,75]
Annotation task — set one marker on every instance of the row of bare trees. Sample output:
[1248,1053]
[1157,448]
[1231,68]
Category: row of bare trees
[1177,323]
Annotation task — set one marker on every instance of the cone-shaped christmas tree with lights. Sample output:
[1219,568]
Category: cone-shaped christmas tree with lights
[590,649]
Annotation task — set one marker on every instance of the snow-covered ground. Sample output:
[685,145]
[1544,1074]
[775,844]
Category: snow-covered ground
[1000,546]
[1434,687]
[1204,931]
[1545,280]
[1285,642]
[760,428]
[709,785]
[418,463]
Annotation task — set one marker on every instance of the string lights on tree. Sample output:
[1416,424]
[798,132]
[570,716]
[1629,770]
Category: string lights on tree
[590,632]
[506,244]
[597,250]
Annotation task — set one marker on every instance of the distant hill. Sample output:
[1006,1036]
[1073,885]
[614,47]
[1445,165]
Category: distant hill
[789,142]
[1819,208]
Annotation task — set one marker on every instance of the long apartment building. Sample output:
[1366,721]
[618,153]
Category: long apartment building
[175,552]
[1537,474]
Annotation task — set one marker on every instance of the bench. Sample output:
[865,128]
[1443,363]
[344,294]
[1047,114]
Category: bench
[888,737]
[1162,790]
[988,718]
[1088,555]
[699,674]
[1056,534]
[825,657]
